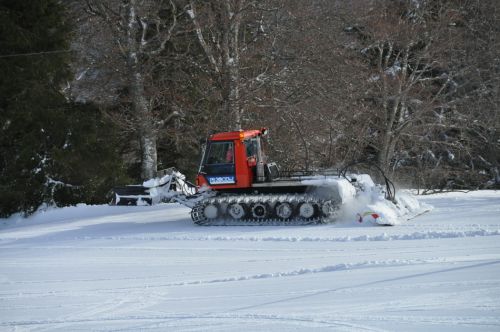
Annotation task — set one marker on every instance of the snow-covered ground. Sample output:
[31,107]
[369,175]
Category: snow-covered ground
[108,268]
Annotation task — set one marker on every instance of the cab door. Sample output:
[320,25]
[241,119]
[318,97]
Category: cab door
[219,166]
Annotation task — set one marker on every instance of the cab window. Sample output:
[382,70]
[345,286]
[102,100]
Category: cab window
[220,153]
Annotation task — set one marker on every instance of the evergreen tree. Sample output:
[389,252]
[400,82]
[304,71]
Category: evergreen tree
[44,139]
[30,100]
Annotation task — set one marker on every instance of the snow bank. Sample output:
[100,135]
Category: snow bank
[383,237]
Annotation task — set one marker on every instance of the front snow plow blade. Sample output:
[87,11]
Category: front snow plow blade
[131,195]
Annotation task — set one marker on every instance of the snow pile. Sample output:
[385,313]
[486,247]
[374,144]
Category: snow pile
[371,206]
[364,201]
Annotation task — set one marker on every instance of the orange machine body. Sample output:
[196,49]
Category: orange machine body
[236,172]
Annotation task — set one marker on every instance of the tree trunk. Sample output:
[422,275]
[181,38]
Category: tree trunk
[234,92]
[142,109]
[223,53]
[149,156]
[390,137]
[234,72]
[384,155]
[232,62]
[147,132]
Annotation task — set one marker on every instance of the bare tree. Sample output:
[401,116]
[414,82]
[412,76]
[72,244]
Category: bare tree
[311,100]
[411,85]
[140,31]
[403,44]
[217,25]
[478,101]
[383,77]
[236,37]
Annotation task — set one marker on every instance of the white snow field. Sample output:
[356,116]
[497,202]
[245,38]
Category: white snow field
[109,268]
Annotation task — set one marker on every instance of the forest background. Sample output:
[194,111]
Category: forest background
[99,93]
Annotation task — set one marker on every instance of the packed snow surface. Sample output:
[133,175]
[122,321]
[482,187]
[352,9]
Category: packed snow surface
[148,268]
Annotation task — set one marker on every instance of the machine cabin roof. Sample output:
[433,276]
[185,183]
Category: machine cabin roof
[234,135]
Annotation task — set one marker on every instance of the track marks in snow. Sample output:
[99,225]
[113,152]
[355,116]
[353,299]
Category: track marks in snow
[279,274]
[429,235]
[327,268]
[183,321]
[205,321]
[231,321]
[367,284]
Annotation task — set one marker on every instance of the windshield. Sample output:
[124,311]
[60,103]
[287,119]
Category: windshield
[220,153]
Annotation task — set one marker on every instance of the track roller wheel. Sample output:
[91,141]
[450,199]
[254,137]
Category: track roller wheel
[197,214]
[329,209]
[237,211]
[283,210]
[260,210]
[211,211]
[308,210]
